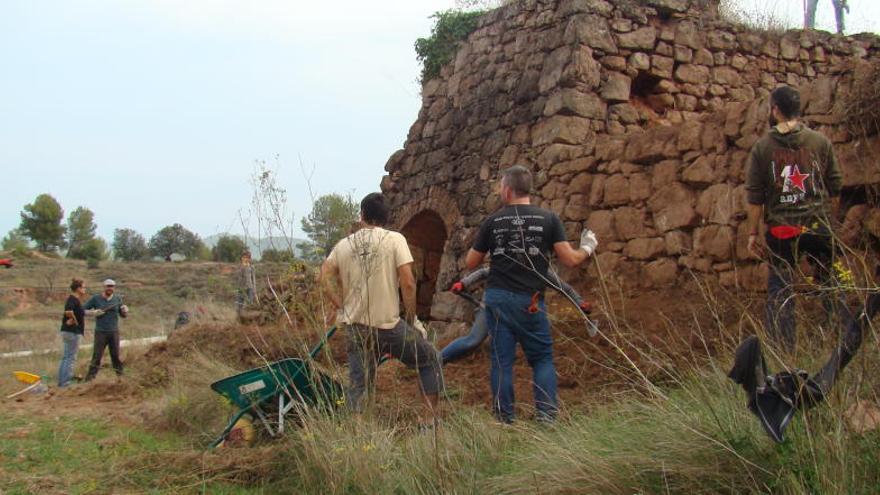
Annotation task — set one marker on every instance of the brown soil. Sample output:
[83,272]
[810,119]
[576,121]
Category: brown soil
[652,331]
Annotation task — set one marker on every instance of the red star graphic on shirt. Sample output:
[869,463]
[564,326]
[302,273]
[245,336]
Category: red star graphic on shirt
[797,178]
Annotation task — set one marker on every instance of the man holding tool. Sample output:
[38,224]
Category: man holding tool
[519,239]
[107,308]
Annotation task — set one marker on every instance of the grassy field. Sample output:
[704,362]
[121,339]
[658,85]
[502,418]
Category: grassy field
[32,296]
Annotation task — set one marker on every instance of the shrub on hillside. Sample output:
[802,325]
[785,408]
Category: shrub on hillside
[16,243]
[273,255]
[129,245]
[451,28]
[229,249]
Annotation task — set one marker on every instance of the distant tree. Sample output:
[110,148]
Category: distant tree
[176,239]
[41,222]
[331,217]
[80,231]
[204,253]
[228,248]
[16,242]
[94,249]
[273,255]
[129,245]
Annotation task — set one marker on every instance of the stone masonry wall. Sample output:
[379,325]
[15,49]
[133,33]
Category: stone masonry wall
[636,118]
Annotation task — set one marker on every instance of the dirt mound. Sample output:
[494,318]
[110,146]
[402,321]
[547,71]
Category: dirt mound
[648,334]
[239,346]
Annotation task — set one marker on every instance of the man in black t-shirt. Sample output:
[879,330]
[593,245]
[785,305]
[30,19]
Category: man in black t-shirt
[519,239]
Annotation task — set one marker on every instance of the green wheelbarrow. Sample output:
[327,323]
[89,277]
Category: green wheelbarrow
[276,389]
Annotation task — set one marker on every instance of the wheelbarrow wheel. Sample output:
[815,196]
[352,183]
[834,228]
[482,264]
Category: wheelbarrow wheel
[242,434]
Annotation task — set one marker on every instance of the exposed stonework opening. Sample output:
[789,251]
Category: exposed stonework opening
[644,93]
[426,235]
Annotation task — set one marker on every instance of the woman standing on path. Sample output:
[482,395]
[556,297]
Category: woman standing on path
[72,329]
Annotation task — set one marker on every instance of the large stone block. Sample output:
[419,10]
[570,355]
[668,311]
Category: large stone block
[591,30]
[577,209]
[639,187]
[677,243]
[554,64]
[630,223]
[688,34]
[561,129]
[616,87]
[569,7]
[640,39]
[570,101]
[582,70]
[690,73]
[580,184]
[601,222]
[645,248]
[701,172]
[714,241]
[616,190]
[660,273]
[669,5]
[726,76]
[672,207]
[665,173]
[718,204]
[662,66]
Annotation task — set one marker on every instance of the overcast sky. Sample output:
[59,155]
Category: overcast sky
[153,112]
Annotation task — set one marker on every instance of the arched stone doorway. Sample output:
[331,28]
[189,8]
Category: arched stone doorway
[426,235]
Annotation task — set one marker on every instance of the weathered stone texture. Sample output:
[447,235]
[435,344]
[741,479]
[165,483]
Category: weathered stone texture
[636,118]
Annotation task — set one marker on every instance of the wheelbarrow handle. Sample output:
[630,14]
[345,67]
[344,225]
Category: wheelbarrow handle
[323,341]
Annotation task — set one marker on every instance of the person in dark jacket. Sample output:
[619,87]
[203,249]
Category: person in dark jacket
[72,330]
[793,183]
[107,308]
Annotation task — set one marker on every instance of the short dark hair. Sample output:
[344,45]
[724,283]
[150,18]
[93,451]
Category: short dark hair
[373,209]
[787,100]
[75,284]
[518,179]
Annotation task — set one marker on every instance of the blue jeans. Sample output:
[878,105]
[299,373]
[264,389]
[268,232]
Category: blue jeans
[68,357]
[463,346]
[510,323]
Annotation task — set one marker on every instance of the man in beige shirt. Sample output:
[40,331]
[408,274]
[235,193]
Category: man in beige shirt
[367,268]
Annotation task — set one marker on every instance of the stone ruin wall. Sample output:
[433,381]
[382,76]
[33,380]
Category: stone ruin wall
[636,118]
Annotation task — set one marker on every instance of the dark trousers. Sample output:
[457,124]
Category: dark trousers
[784,257]
[102,340]
[367,344]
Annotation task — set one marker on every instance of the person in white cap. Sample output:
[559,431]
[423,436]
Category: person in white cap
[106,307]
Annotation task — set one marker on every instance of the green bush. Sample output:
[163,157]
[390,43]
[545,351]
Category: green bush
[452,27]
[93,263]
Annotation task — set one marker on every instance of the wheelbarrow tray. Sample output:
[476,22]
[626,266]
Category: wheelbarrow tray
[288,383]
[292,376]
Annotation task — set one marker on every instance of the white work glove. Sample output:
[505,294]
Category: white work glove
[418,325]
[589,243]
[123,308]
